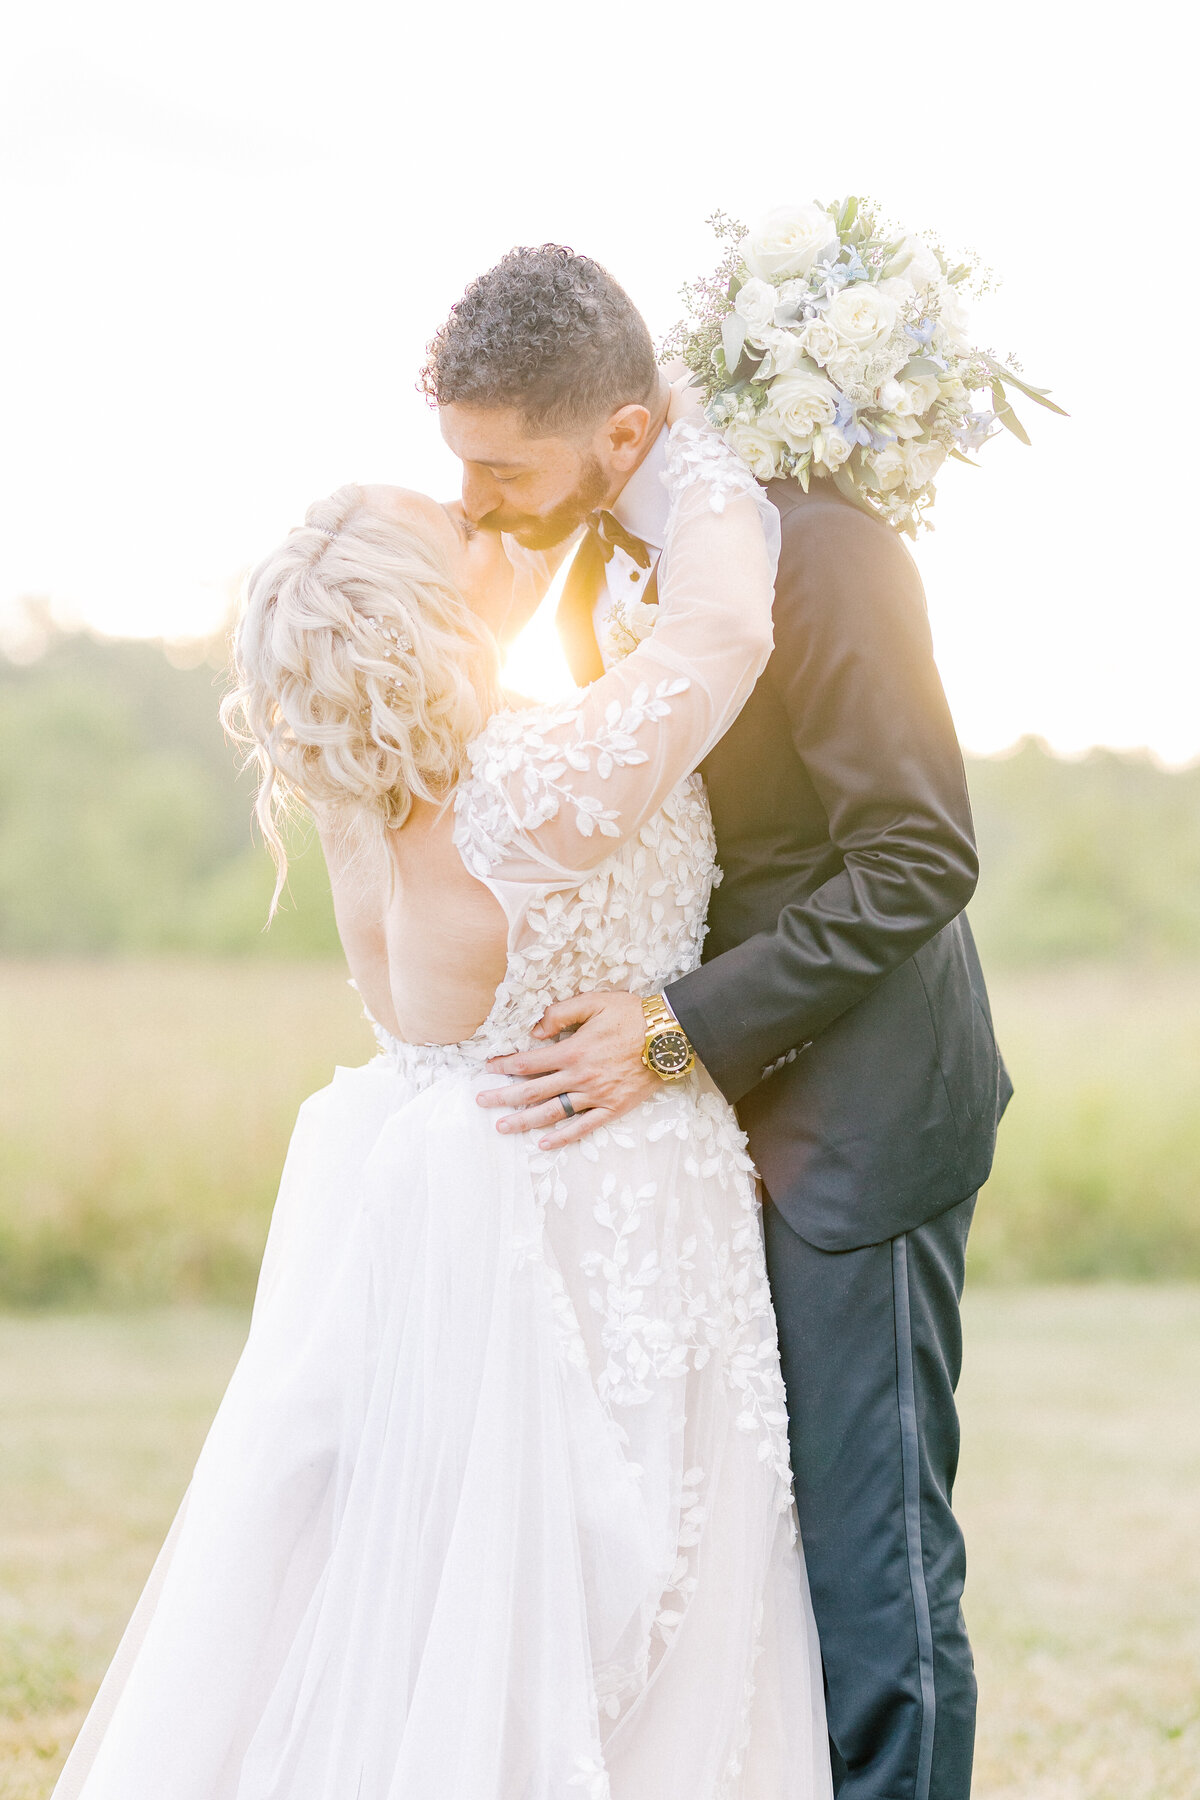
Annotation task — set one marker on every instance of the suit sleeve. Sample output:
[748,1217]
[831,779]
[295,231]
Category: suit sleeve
[853,666]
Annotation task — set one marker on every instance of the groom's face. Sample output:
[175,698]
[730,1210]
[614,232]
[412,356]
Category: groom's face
[537,488]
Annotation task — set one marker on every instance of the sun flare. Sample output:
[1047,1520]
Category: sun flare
[535,665]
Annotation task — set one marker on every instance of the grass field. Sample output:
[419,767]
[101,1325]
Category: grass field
[1080,1492]
[145,1108]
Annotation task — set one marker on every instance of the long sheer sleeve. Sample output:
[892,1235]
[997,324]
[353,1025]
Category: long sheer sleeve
[553,788]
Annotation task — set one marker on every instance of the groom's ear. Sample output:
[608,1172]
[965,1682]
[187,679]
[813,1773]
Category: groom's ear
[626,435]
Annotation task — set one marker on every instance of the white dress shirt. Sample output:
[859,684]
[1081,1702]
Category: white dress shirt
[642,508]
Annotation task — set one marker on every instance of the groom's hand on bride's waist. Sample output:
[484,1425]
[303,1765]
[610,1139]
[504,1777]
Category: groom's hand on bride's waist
[598,1068]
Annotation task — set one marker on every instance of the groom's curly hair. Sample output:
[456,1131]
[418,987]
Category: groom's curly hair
[547,331]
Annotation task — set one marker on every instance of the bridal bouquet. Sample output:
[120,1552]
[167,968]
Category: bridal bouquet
[827,344]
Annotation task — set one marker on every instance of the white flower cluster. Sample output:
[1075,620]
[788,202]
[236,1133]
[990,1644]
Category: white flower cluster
[841,350]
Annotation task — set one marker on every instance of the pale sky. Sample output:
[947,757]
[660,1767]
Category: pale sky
[232,228]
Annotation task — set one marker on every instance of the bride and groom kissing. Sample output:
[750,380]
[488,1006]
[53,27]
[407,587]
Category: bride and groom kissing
[498,1503]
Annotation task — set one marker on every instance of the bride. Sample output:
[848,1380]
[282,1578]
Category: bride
[497,1504]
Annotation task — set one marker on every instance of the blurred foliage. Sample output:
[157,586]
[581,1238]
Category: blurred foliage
[1094,858]
[123,827]
[123,822]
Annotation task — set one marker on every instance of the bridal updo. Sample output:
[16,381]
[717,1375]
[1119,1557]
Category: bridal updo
[361,674]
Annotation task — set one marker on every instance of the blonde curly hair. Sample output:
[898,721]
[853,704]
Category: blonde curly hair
[361,673]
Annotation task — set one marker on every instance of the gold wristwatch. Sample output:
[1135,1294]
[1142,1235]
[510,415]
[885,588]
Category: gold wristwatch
[667,1050]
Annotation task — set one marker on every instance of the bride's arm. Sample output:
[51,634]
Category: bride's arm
[556,787]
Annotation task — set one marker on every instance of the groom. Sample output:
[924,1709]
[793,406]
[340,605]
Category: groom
[840,1004]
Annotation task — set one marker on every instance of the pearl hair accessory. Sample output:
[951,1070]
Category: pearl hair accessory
[402,642]
[400,638]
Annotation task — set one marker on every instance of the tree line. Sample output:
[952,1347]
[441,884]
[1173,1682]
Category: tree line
[125,827]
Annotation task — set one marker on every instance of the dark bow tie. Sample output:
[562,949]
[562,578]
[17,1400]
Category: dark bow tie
[611,535]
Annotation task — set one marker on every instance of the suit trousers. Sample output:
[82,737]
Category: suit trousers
[871,1345]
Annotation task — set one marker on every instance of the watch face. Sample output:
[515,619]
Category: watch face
[669,1052]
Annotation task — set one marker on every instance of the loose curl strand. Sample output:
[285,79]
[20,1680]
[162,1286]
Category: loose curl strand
[360,673]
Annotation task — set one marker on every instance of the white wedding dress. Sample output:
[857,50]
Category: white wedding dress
[497,1505]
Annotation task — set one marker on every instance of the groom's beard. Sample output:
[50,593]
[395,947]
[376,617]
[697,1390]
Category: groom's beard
[542,533]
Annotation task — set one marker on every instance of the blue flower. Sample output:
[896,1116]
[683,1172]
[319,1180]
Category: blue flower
[849,424]
[922,333]
[975,430]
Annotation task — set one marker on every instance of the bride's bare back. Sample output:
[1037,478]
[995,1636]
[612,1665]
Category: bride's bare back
[426,942]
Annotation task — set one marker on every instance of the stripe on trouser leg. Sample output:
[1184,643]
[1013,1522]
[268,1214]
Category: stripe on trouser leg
[911,1469]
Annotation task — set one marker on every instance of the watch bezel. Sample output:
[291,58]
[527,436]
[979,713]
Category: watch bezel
[677,1038]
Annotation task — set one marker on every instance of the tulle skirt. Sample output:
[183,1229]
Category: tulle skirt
[495,1506]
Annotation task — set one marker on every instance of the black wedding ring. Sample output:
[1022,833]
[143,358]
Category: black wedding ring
[568,1109]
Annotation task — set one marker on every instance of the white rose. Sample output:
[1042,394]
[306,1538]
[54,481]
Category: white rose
[831,448]
[888,467]
[922,267]
[793,294]
[846,368]
[920,393]
[923,460]
[890,397]
[788,241]
[953,389]
[898,288]
[784,351]
[800,403]
[819,340]
[861,315]
[755,304]
[757,446]
[952,314]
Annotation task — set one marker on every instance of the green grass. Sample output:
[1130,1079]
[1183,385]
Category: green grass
[145,1108]
[1098,1167]
[101,1418]
[1079,1492]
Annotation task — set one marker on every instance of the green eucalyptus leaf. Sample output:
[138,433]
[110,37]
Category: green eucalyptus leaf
[1009,419]
[897,264]
[1039,398]
[850,490]
[733,337]
[959,457]
[1037,394]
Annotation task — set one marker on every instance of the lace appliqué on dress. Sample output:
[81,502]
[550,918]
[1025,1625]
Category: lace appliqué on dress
[521,772]
[696,456]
